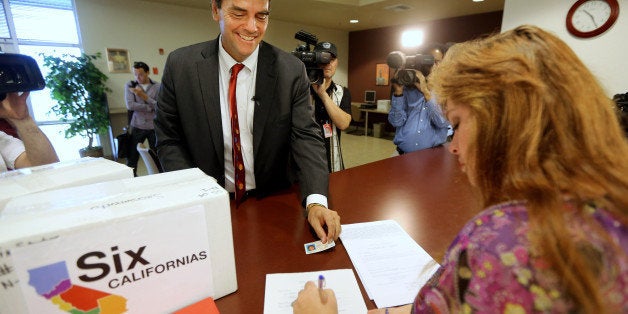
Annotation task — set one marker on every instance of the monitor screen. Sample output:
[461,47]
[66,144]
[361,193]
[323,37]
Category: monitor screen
[369,97]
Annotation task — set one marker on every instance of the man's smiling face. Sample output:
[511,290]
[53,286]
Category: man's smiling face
[242,25]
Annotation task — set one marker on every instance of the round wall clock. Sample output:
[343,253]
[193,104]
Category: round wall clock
[588,18]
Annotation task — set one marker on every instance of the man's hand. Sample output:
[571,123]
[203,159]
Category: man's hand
[421,85]
[139,92]
[38,149]
[321,89]
[319,216]
[318,88]
[397,89]
[14,106]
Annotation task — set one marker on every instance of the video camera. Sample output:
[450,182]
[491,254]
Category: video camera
[19,73]
[406,65]
[311,58]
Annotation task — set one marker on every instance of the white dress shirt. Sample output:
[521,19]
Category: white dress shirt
[245,91]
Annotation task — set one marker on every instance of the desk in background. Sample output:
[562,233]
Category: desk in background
[356,114]
[424,191]
[366,118]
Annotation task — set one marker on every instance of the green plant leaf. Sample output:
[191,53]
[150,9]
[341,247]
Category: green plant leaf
[80,91]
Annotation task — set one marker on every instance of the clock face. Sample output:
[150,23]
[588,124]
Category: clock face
[588,18]
[591,15]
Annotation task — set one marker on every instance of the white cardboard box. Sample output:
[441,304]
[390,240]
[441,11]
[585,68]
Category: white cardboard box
[151,244]
[59,175]
[383,104]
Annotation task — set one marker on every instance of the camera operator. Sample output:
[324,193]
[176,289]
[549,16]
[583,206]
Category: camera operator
[141,98]
[34,148]
[419,122]
[332,105]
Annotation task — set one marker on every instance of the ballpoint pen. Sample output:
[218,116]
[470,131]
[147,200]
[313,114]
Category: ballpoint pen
[321,284]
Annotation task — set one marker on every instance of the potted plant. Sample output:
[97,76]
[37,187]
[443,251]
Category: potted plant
[79,88]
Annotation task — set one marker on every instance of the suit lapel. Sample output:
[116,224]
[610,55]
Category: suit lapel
[207,70]
[264,91]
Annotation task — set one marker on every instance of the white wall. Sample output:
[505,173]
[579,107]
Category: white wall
[605,55]
[144,27]
[281,34]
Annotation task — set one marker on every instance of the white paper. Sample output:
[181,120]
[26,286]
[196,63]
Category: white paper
[282,289]
[391,265]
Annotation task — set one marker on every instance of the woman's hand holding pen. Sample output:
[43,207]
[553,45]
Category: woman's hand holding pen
[315,300]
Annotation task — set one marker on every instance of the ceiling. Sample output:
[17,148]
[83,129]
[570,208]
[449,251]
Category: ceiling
[335,14]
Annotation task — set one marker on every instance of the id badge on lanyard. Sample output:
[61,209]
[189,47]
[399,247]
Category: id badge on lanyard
[327,130]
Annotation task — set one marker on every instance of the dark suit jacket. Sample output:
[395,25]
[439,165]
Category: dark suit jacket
[286,138]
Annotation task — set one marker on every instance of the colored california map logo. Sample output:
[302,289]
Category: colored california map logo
[53,283]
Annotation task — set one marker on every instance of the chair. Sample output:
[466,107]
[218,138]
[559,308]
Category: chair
[151,166]
[357,118]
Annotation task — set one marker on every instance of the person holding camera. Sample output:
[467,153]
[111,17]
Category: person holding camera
[332,107]
[33,148]
[141,98]
[419,122]
[240,110]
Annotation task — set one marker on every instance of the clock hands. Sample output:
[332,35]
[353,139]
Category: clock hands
[591,16]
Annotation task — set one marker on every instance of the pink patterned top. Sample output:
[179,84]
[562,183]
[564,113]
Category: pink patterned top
[489,267]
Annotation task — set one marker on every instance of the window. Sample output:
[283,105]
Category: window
[4,26]
[32,27]
[45,21]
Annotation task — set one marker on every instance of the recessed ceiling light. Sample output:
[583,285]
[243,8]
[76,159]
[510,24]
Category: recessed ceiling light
[478,0]
[354,21]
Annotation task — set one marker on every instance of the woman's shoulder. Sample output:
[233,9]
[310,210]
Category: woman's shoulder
[494,233]
[488,248]
[502,219]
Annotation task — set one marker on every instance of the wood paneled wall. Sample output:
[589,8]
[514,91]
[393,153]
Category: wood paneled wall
[370,47]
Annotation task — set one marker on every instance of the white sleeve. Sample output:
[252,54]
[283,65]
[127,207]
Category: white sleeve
[10,149]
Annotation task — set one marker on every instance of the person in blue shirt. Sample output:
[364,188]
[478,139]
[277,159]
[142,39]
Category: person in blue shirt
[419,122]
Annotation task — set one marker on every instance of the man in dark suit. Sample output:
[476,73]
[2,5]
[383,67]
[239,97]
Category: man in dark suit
[277,131]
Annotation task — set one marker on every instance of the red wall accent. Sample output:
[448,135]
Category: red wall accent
[370,47]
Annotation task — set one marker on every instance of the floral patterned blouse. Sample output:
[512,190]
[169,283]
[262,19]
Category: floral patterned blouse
[489,267]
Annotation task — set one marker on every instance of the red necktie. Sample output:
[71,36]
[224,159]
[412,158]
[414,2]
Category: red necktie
[238,161]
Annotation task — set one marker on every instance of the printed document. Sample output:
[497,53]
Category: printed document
[282,289]
[390,264]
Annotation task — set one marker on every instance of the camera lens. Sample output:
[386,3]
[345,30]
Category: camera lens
[315,75]
[406,77]
[396,59]
[9,76]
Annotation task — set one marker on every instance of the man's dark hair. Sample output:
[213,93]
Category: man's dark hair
[219,3]
[140,65]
